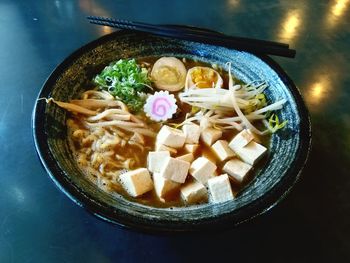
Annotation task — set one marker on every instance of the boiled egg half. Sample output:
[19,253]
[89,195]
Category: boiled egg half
[169,73]
[203,77]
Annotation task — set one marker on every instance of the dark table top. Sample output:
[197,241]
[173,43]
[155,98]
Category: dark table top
[38,223]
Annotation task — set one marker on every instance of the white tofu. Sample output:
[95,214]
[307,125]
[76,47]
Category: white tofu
[202,169]
[222,150]
[194,192]
[171,137]
[186,157]
[155,160]
[162,147]
[241,140]
[175,170]
[164,187]
[136,182]
[237,169]
[192,132]
[191,148]
[251,153]
[207,153]
[210,135]
[220,188]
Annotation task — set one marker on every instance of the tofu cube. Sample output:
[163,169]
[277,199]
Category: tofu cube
[186,157]
[222,150]
[155,160]
[175,170]
[202,169]
[251,153]
[210,135]
[237,169]
[171,137]
[136,182]
[192,132]
[162,147]
[194,192]
[164,187]
[220,188]
[241,140]
[191,148]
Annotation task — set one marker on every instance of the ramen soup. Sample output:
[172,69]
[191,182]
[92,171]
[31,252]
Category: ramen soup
[170,131]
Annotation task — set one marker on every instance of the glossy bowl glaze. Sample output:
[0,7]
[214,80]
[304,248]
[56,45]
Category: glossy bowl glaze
[287,154]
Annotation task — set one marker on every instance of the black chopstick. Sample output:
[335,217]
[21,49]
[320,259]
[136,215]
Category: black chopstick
[200,35]
[184,30]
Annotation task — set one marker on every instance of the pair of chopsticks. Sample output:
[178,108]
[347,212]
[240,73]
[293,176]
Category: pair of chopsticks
[200,35]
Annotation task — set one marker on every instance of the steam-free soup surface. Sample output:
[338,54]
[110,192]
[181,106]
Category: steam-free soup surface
[85,140]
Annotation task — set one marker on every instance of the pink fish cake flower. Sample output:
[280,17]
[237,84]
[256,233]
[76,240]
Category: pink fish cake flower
[160,106]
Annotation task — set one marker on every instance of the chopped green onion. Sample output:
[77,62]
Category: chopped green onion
[125,80]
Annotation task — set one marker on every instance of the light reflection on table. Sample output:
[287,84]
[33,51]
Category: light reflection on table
[232,3]
[337,11]
[290,26]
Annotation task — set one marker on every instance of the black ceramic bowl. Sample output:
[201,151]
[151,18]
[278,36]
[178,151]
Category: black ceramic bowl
[287,154]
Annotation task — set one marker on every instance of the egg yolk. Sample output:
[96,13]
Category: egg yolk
[204,78]
[167,75]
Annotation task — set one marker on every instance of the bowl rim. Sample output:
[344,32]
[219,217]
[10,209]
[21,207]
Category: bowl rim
[246,213]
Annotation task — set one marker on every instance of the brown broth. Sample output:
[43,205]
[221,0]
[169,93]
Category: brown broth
[174,199]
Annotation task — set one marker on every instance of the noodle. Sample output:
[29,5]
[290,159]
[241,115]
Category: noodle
[108,139]
[97,138]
